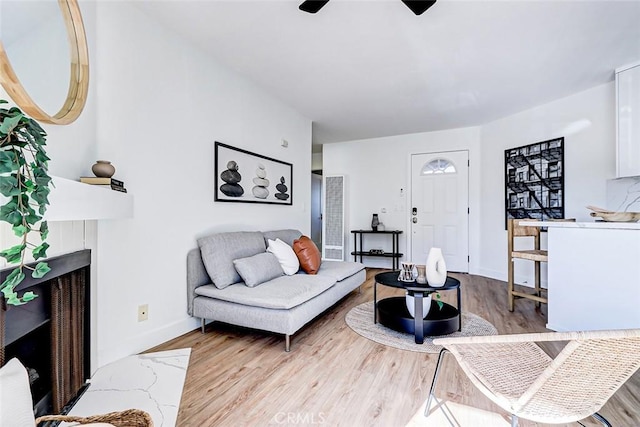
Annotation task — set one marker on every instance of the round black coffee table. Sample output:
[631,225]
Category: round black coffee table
[392,312]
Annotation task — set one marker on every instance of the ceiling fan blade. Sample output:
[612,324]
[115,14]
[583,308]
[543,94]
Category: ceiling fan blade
[312,6]
[418,6]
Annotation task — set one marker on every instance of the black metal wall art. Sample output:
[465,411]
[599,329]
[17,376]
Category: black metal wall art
[534,177]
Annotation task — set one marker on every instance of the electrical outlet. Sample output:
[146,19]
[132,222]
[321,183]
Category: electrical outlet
[143,312]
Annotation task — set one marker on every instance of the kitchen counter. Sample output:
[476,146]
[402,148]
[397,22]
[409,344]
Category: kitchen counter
[593,275]
[593,224]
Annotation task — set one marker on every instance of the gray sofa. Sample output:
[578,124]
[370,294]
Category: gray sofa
[282,305]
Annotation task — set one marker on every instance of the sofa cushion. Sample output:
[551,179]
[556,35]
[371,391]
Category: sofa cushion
[219,250]
[286,256]
[308,254]
[283,292]
[287,236]
[258,268]
[339,270]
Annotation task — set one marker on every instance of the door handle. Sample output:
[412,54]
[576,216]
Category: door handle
[414,220]
[414,211]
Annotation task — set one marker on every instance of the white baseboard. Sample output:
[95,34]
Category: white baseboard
[502,276]
[142,342]
[492,274]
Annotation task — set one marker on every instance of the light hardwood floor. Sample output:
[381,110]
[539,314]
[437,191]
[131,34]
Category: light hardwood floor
[334,377]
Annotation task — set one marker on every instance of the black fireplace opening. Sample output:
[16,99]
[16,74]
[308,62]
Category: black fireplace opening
[50,335]
[27,337]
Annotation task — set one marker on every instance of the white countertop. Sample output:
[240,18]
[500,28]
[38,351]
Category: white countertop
[594,224]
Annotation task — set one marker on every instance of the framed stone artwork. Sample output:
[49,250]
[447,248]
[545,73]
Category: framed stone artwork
[246,177]
[534,177]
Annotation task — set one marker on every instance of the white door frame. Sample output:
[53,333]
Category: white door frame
[409,254]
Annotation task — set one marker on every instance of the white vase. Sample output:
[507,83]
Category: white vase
[411,305]
[436,268]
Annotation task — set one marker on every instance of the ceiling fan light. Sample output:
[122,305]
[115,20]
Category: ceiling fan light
[312,6]
[418,6]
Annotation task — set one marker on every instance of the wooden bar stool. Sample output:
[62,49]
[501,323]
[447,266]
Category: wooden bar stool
[537,255]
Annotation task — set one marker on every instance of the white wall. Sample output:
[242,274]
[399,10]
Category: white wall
[377,169]
[156,105]
[316,161]
[161,105]
[587,122]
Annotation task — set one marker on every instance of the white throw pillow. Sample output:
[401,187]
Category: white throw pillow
[16,405]
[286,256]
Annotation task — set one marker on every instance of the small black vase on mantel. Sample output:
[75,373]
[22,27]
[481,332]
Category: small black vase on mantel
[375,222]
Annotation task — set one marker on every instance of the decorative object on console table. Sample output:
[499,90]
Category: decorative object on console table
[436,268]
[231,162]
[24,182]
[375,222]
[534,178]
[103,169]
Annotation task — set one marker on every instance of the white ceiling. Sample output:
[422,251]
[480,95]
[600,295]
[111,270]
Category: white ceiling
[371,68]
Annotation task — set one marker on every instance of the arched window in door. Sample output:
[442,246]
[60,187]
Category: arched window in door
[438,165]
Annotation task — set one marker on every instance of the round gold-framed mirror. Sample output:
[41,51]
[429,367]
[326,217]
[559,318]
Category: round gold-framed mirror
[79,75]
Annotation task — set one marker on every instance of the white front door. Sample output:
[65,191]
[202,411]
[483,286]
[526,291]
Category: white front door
[440,207]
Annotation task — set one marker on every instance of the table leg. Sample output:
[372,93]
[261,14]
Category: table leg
[375,311]
[459,310]
[419,323]
[361,249]
[394,251]
[355,247]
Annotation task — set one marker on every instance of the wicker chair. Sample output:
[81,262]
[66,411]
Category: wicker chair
[521,378]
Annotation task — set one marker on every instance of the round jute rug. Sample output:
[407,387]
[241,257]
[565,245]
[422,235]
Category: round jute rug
[360,319]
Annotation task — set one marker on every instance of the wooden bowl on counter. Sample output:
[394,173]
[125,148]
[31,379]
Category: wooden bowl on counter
[610,216]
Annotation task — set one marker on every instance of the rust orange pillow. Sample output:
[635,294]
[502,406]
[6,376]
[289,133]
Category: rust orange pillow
[308,254]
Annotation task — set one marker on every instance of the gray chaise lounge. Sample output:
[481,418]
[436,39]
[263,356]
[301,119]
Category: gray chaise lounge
[281,305]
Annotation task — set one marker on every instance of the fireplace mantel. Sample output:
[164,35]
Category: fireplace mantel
[76,201]
[72,200]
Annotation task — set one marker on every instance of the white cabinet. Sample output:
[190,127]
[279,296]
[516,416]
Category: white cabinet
[628,120]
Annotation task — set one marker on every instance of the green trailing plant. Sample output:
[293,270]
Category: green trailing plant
[438,300]
[24,194]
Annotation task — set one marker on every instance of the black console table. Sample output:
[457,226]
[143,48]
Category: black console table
[395,245]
